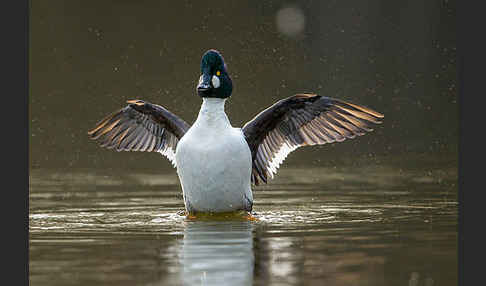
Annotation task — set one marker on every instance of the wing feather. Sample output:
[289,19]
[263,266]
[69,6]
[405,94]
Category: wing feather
[141,126]
[302,120]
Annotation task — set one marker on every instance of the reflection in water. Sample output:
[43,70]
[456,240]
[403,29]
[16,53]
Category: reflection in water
[217,253]
[316,226]
[415,280]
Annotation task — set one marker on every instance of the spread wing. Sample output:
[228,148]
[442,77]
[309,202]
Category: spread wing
[301,120]
[141,126]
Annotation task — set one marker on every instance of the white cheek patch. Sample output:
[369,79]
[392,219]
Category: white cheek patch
[215,81]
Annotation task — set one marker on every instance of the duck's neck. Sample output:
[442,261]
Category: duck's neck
[212,112]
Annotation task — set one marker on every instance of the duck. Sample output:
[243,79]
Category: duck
[218,164]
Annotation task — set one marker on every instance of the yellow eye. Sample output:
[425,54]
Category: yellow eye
[218,73]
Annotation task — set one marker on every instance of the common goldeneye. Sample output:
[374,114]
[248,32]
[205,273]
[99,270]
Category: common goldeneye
[217,163]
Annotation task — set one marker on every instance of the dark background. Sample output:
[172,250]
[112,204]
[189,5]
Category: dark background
[88,58]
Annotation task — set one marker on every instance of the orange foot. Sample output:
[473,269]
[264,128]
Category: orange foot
[190,216]
[250,217]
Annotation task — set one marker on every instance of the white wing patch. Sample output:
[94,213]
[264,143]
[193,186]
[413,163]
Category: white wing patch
[280,156]
[168,150]
[271,160]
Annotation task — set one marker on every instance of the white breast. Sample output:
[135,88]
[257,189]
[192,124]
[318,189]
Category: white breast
[214,163]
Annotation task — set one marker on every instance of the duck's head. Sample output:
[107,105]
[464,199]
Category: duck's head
[215,80]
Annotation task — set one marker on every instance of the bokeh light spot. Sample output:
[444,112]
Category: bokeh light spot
[290,21]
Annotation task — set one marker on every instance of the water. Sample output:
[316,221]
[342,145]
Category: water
[389,218]
[382,224]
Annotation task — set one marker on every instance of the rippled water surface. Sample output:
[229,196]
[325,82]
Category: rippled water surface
[373,225]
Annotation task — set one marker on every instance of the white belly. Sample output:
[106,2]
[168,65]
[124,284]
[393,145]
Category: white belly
[214,168]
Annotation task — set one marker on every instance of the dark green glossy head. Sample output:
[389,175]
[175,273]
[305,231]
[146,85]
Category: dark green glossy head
[215,80]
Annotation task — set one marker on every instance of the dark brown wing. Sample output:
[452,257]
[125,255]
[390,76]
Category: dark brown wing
[301,120]
[141,126]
